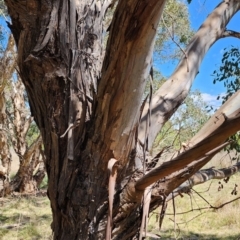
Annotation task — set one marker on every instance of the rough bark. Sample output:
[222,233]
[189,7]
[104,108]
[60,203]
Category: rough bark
[14,125]
[7,66]
[25,181]
[88,111]
[59,57]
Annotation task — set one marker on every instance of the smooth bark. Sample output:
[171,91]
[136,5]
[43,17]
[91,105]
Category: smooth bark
[224,123]
[166,102]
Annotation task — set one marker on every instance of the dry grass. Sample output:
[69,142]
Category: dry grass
[30,218]
[202,221]
[25,218]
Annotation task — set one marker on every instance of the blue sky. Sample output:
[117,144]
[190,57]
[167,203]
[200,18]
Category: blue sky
[199,10]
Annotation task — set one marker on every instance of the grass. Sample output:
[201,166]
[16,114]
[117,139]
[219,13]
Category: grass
[29,218]
[200,223]
[26,218]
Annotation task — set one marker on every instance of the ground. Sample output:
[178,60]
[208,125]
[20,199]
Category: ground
[29,217]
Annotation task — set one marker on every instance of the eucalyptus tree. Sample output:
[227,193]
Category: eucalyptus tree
[87,102]
[15,126]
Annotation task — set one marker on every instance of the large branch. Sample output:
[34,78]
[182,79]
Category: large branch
[208,174]
[175,89]
[125,70]
[202,176]
[224,123]
[174,180]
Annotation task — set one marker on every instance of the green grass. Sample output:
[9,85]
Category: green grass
[44,183]
[208,223]
[25,218]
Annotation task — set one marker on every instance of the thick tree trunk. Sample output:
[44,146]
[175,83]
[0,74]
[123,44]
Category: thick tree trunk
[60,59]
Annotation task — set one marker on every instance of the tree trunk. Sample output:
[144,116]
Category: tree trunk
[14,125]
[7,66]
[88,110]
[25,181]
[60,59]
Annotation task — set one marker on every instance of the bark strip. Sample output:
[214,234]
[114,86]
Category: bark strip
[111,190]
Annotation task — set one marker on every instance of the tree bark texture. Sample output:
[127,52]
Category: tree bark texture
[88,109]
[84,118]
[7,66]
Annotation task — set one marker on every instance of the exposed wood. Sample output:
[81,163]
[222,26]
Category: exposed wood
[224,123]
[111,191]
[60,53]
[125,70]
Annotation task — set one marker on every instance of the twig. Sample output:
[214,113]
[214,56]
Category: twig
[204,208]
[231,33]
[162,214]
[202,198]
[174,212]
[172,37]
[190,219]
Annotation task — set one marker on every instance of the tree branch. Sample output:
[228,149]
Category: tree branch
[125,70]
[174,180]
[214,133]
[208,174]
[231,33]
[172,93]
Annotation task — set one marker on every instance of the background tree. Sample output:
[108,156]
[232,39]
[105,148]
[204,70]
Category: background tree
[183,125]
[16,124]
[174,31]
[87,103]
[228,72]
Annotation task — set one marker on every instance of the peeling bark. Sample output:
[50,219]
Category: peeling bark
[7,66]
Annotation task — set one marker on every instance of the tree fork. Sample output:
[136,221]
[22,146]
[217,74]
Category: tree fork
[59,58]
